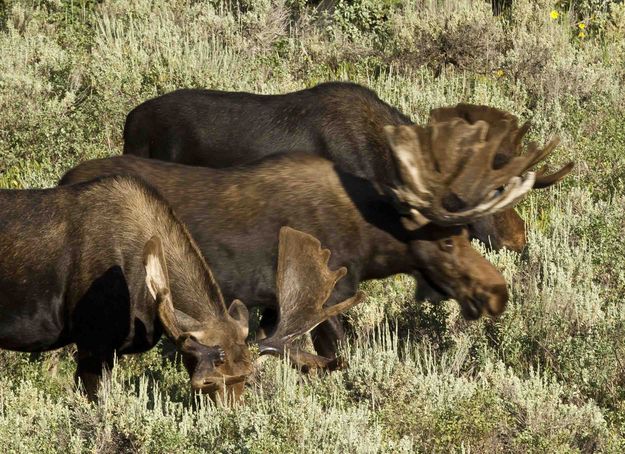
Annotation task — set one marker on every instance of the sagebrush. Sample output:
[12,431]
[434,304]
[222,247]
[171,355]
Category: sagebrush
[547,376]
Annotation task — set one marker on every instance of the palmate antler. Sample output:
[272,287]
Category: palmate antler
[304,284]
[511,144]
[465,164]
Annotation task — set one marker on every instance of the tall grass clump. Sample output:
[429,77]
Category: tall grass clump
[547,376]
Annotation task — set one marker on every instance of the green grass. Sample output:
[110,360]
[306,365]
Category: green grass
[547,376]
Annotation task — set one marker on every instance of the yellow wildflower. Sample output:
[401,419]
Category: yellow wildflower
[500,73]
[581,25]
[581,35]
[554,14]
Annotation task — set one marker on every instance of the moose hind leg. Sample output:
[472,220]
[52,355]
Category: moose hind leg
[90,369]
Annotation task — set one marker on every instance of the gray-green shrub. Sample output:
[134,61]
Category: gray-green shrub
[547,376]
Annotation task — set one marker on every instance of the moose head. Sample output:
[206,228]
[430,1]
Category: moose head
[213,347]
[464,165]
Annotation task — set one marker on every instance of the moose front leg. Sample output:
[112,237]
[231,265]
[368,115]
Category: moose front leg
[327,336]
[90,369]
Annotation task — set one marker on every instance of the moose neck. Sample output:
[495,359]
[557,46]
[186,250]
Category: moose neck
[388,241]
[194,289]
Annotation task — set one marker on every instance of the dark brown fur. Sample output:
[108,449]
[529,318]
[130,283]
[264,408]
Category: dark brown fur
[71,271]
[340,121]
[235,216]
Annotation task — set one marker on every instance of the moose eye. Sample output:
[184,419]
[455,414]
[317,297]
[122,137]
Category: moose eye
[447,244]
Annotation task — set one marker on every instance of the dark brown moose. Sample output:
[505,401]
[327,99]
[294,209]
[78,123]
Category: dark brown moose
[233,214]
[106,265]
[342,122]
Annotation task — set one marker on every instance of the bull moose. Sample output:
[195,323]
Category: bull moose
[446,179]
[106,265]
[340,121]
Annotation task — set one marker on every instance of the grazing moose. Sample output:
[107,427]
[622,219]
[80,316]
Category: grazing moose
[415,226]
[342,122]
[106,265]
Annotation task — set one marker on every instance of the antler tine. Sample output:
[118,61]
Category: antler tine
[471,113]
[553,143]
[495,202]
[408,144]
[543,181]
[520,164]
[520,133]
[304,284]
[498,201]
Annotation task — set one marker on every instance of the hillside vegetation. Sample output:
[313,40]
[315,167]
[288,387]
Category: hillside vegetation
[547,376]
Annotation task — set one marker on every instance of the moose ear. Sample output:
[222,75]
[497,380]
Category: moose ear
[156,276]
[238,311]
